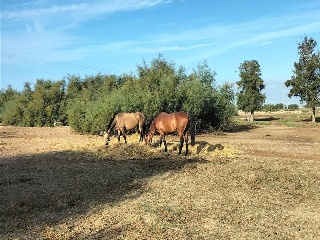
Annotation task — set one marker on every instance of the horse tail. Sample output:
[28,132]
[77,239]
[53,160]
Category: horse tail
[141,119]
[192,129]
[144,128]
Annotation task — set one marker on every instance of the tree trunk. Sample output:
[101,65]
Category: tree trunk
[252,116]
[313,114]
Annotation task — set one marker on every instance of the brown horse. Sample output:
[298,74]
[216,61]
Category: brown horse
[124,122]
[169,123]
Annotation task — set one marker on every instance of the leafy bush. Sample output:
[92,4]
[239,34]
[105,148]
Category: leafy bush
[88,104]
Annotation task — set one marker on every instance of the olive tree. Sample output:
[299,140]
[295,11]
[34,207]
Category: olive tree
[250,84]
[305,81]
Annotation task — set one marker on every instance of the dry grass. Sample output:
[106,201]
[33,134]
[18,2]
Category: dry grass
[130,191]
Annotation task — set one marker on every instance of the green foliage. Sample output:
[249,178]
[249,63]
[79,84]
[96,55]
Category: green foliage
[279,106]
[212,107]
[251,84]
[159,84]
[7,98]
[48,98]
[87,104]
[273,107]
[269,107]
[198,91]
[224,107]
[39,107]
[11,113]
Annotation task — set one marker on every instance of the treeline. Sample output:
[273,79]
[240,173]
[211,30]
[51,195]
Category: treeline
[87,104]
[279,106]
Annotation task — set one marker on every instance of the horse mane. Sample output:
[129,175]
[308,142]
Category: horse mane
[152,128]
[111,123]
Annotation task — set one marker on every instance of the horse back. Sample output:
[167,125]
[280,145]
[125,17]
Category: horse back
[131,120]
[181,120]
[171,122]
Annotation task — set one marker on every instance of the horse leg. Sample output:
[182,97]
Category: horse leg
[141,132]
[119,133]
[165,143]
[140,136]
[186,138]
[161,138]
[124,135]
[181,143]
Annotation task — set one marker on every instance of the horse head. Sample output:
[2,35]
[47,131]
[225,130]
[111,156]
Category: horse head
[107,137]
[148,139]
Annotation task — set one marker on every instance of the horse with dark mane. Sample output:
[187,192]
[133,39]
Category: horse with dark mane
[169,123]
[123,122]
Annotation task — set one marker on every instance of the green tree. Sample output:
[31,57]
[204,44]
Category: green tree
[48,103]
[159,82]
[224,106]
[269,107]
[293,106]
[12,112]
[109,84]
[128,96]
[251,84]
[25,98]
[212,107]
[198,92]
[280,106]
[305,81]
[76,112]
[74,86]
[93,100]
[7,96]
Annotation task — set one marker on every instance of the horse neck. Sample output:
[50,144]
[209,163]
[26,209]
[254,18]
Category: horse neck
[111,124]
[152,128]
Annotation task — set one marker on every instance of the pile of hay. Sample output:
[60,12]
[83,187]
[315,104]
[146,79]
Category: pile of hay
[138,150]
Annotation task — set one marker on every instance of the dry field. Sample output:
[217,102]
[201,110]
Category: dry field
[261,181]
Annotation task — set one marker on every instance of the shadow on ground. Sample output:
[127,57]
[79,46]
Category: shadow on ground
[243,127]
[44,189]
[266,119]
[310,119]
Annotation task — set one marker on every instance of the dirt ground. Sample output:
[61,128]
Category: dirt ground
[257,182]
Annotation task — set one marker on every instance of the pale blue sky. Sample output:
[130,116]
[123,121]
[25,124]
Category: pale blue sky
[53,38]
